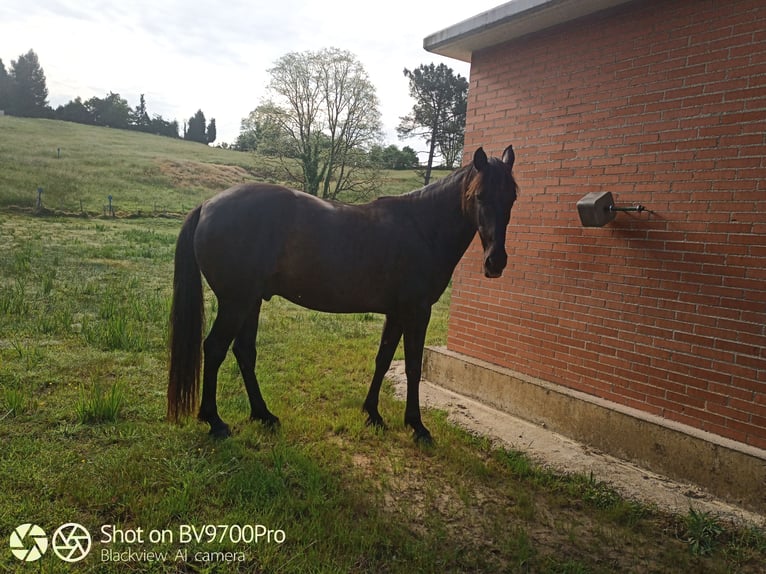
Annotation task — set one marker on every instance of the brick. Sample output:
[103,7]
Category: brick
[665,311]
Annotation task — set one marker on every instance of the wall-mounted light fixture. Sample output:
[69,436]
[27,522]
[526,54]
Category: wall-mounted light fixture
[597,208]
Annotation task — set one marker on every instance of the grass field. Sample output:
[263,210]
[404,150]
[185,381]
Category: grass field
[84,303]
[144,174]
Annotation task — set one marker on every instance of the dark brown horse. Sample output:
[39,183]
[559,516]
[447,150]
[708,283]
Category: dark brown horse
[393,256]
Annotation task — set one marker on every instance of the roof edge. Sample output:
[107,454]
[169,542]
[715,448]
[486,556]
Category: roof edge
[509,21]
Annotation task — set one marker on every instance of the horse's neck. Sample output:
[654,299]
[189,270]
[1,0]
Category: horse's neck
[441,219]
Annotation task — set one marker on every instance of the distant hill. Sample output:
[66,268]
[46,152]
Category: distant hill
[74,163]
[79,166]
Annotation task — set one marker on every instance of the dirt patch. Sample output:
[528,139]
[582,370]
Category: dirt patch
[499,526]
[568,456]
[188,174]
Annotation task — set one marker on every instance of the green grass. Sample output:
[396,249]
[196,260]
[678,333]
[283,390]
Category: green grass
[84,438]
[144,174]
[702,532]
[98,405]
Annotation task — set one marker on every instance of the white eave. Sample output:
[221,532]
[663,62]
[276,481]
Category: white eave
[508,21]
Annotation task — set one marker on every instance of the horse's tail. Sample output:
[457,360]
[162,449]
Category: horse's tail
[186,322]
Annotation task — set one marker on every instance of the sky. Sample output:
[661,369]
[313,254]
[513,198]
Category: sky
[186,55]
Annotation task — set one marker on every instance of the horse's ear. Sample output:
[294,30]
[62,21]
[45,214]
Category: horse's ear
[480,159]
[508,156]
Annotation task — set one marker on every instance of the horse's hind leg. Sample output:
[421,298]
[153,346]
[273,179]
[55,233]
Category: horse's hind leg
[389,340]
[226,325]
[245,352]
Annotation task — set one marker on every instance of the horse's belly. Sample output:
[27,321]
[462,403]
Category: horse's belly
[334,296]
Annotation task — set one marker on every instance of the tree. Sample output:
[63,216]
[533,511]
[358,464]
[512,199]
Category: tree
[5,88]
[247,140]
[260,131]
[211,132]
[74,111]
[139,117]
[195,128]
[408,158]
[439,112]
[450,140]
[28,89]
[162,127]
[323,111]
[112,111]
[392,157]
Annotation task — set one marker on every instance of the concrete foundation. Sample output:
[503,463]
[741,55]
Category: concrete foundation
[727,469]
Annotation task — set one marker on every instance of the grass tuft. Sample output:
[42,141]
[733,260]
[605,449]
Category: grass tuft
[97,405]
[14,402]
[703,529]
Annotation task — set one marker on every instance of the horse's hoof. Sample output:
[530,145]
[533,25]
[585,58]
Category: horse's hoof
[376,422]
[271,422]
[220,431]
[423,437]
[267,420]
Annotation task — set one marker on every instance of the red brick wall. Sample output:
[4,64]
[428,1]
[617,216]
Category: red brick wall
[664,104]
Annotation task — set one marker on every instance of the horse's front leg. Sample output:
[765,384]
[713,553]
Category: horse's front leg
[415,328]
[389,340]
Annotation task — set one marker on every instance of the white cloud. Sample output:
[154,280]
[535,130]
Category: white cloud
[214,56]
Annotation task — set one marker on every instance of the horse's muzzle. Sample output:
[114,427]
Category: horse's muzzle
[494,265]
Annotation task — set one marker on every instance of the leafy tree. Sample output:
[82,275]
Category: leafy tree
[375,155]
[28,89]
[450,140]
[195,128]
[112,111]
[409,158]
[158,125]
[247,140]
[74,111]
[391,157]
[324,112]
[139,117]
[439,112]
[5,88]
[211,132]
[260,131]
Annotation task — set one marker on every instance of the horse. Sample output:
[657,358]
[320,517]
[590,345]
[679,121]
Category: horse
[392,256]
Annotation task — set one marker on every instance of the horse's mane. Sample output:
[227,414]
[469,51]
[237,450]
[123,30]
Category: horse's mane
[458,176]
[467,179]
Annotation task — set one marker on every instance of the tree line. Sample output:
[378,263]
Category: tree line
[24,93]
[319,116]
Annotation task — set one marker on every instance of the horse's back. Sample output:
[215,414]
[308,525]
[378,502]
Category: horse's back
[271,240]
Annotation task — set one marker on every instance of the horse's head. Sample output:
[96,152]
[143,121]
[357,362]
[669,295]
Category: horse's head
[489,195]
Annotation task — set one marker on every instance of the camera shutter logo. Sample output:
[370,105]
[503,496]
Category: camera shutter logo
[71,542]
[29,542]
